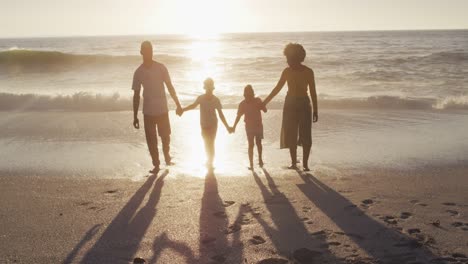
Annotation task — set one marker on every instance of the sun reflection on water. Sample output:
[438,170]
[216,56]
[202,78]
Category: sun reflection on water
[203,54]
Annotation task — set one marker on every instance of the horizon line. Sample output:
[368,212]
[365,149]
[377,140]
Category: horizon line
[233,33]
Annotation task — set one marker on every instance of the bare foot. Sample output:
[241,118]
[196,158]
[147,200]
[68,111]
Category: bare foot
[250,168]
[260,163]
[155,170]
[306,169]
[293,167]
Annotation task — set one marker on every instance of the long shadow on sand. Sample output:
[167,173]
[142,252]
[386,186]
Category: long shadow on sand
[121,239]
[290,237]
[163,242]
[381,242]
[214,246]
[86,238]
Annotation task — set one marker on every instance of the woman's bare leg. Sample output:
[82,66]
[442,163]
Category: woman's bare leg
[258,141]
[293,154]
[305,157]
[251,147]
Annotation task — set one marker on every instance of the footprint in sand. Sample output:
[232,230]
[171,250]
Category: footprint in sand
[365,204]
[245,204]
[273,261]
[390,220]
[84,203]
[334,243]
[405,215]
[453,212]
[139,261]
[413,231]
[220,214]
[309,222]
[303,219]
[232,229]
[457,224]
[257,240]
[306,209]
[228,203]
[111,191]
[449,204]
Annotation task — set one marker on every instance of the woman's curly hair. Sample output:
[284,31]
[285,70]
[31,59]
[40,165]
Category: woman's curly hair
[295,52]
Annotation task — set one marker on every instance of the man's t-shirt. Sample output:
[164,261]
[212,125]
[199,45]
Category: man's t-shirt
[154,95]
[208,107]
[251,111]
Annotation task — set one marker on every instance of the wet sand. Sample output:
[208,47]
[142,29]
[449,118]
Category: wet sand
[359,215]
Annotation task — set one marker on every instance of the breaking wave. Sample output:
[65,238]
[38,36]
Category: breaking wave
[47,60]
[103,103]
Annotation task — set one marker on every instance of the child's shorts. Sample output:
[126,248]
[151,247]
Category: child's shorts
[256,132]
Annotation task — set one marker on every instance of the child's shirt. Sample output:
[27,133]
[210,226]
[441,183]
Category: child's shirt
[208,107]
[251,111]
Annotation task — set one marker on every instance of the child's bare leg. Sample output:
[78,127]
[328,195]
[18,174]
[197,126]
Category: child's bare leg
[211,152]
[209,149]
[305,157]
[250,139]
[258,141]
[293,154]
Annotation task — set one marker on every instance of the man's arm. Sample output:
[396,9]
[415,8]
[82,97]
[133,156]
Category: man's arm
[277,88]
[223,119]
[171,89]
[313,95]
[136,106]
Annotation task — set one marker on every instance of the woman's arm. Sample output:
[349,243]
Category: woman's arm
[277,89]
[313,95]
[236,122]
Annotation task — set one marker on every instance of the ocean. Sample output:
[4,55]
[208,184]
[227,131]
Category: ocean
[386,69]
[393,99]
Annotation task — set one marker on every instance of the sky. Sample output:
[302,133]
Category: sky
[30,18]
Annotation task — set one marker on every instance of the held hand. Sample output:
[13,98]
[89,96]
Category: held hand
[315,117]
[179,111]
[231,130]
[136,123]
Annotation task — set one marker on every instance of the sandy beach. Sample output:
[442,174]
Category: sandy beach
[75,189]
[269,216]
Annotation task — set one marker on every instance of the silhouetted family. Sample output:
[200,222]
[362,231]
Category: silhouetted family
[296,128]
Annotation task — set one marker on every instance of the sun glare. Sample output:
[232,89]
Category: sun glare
[203,54]
[203,18]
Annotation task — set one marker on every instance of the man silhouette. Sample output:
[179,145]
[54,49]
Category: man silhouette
[153,75]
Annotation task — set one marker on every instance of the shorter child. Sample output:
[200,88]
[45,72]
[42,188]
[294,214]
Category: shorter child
[251,107]
[209,104]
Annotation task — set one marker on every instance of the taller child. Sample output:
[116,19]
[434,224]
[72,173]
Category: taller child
[154,77]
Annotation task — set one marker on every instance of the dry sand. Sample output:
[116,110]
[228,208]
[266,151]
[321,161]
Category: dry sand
[271,216]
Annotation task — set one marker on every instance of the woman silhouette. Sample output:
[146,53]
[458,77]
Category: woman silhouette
[296,129]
